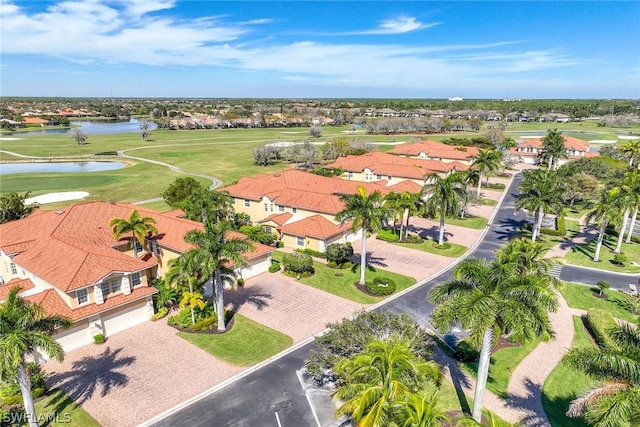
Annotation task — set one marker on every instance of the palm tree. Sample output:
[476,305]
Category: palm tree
[405,205]
[540,192]
[368,213]
[628,198]
[485,162]
[445,196]
[24,328]
[192,300]
[13,207]
[374,379]
[491,299]
[419,410]
[553,148]
[615,400]
[527,257]
[605,212]
[139,227]
[632,181]
[632,149]
[179,276]
[215,249]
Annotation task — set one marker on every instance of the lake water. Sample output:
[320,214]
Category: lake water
[58,167]
[95,127]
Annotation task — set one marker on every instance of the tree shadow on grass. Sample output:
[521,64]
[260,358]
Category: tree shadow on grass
[459,379]
[90,375]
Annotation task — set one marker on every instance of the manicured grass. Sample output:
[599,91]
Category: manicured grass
[503,363]
[453,251]
[327,279]
[548,241]
[58,407]
[159,206]
[583,255]
[470,221]
[565,383]
[489,202]
[576,212]
[246,344]
[581,296]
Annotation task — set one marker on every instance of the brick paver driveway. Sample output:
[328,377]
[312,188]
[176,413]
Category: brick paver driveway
[137,374]
[284,304]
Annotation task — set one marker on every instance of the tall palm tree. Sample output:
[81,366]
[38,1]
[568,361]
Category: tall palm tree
[605,212]
[553,148]
[368,213]
[632,181]
[485,162]
[444,197]
[24,327]
[215,249]
[628,198]
[541,193]
[405,205]
[13,207]
[631,148]
[615,400]
[373,380]
[490,299]
[527,257]
[140,227]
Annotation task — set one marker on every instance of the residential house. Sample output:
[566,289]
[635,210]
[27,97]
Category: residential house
[529,149]
[301,206]
[68,261]
[434,150]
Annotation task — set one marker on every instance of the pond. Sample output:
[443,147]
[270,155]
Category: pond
[92,127]
[58,167]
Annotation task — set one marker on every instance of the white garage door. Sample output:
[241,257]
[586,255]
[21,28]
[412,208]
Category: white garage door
[75,337]
[124,317]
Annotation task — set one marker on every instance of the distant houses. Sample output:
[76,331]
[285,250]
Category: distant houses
[528,150]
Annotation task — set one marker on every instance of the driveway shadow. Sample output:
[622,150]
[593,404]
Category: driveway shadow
[531,403]
[253,295]
[372,261]
[92,373]
[433,233]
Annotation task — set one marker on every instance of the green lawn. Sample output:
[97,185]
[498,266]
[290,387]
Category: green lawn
[581,296]
[565,383]
[246,344]
[489,202]
[547,241]
[341,282]
[455,250]
[470,221]
[61,410]
[159,206]
[503,363]
[583,255]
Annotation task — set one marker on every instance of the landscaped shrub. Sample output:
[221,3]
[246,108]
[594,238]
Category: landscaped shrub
[413,238]
[257,234]
[162,312]
[387,236]
[274,267]
[298,263]
[279,244]
[620,259]
[346,265]
[381,286]
[603,285]
[240,281]
[15,399]
[99,339]
[465,352]
[445,245]
[183,318]
[311,252]
[598,322]
[494,185]
[339,253]
[332,264]
[205,324]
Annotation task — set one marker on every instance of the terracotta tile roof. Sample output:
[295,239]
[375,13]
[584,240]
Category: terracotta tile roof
[301,190]
[278,218]
[174,213]
[315,226]
[53,303]
[35,121]
[435,149]
[23,284]
[258,248]
[403,186]
[389,165]
[570,143]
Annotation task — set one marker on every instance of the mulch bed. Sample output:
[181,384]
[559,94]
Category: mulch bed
[504,343]
[597,295]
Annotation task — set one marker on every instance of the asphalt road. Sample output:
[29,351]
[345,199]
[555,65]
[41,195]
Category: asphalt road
[255,399]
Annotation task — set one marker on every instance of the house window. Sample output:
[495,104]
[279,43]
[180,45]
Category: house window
[14,270]
[300,241]
[266,207]
[115,286]
[82,296]
[247,203]
[378,176]
[136,280]
[294,210]
[389,177]
[154,247]
[281,208]
[350,175]
[267,229]
[105,289]
[137,248]
[271,207]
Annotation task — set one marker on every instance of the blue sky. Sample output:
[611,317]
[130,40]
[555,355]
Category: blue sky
[295,49]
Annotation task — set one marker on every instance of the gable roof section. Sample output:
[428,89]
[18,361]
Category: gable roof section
[22,284]
[278,219]
[396,166]
[315,226]
[570,143]
[435,149]
[301,189]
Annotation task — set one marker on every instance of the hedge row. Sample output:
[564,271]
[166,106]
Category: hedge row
[311,252]
[598,322]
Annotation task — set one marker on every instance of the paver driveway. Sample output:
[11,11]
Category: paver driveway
[284,304]
[137,374]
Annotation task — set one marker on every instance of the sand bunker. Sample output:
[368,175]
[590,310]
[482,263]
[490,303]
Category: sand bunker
[6,138]
[628,137]
[56,197]
[603,141]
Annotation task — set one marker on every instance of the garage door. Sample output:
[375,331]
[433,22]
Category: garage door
[74,337]
[124,317]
